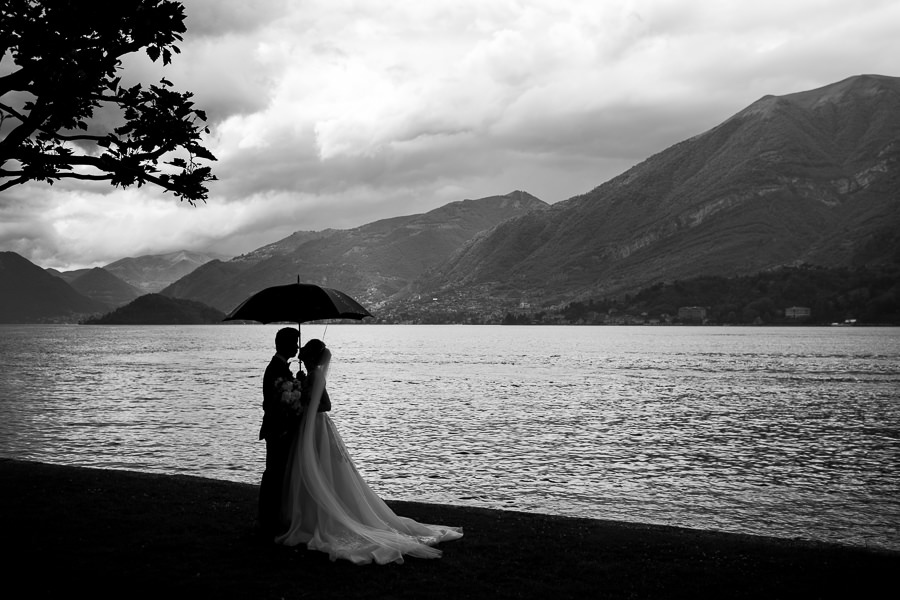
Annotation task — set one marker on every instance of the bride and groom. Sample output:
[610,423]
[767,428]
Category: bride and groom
[311,492]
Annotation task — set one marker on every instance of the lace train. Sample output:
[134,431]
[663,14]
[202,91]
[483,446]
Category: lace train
[332,509]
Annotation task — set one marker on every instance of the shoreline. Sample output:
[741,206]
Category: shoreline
[124,533]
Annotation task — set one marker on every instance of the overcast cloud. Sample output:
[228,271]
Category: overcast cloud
[336,113]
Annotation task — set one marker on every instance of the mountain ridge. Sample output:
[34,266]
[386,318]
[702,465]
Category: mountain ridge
[371,262]
[29,294]
[777,183]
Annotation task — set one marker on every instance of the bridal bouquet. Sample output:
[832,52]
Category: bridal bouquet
[291,394]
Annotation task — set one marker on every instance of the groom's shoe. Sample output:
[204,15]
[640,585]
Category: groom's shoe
[267,532]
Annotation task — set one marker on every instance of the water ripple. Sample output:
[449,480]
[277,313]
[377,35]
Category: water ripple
[792,432]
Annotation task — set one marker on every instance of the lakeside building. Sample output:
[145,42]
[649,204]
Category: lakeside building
[797,312]
[692,313]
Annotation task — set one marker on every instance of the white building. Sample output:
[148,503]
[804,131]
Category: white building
[797,312]
[692,313]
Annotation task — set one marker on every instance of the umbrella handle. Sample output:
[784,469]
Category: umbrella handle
[299,337]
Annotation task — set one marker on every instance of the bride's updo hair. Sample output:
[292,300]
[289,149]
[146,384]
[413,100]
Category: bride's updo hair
[312,350]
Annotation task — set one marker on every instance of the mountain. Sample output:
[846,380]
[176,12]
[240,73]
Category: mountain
[156,309]
[152,273]
[213,280]
[285,246]
[214,277]
[806,178]
[68,276]
[29,294]
[103,286]
[371,262]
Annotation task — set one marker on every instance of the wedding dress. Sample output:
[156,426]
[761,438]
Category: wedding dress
[330,506]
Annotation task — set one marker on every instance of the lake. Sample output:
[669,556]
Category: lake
[793,432]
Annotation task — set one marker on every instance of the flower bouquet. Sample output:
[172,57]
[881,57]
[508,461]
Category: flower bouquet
[290,393]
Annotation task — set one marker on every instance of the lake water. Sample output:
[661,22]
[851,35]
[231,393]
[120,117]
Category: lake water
[793,432]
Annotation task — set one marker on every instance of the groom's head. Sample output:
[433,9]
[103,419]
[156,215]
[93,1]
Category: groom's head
[287,341]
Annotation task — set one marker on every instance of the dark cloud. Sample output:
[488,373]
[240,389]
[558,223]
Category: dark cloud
[331,114]
[213,18]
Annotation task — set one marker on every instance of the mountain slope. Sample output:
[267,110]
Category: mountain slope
[29,294]
[812,177]
[68,276]
[370,262]
[151,273]
[284,246]
[103,286]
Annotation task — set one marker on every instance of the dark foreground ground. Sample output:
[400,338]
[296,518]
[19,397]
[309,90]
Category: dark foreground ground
[70,532]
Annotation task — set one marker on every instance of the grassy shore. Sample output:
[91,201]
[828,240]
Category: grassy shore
[74,531]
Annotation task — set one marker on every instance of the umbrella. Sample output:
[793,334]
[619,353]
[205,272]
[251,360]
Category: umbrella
[299,303]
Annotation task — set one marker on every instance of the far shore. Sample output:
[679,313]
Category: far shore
[75,531]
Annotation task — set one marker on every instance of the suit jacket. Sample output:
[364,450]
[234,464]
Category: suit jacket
[278,420]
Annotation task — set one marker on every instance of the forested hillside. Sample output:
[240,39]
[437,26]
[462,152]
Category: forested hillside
[868,296]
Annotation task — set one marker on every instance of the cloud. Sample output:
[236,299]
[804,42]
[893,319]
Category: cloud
[334,113]
[218,18]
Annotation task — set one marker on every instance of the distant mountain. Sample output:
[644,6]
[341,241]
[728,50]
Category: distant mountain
[103,286]
[371,262]
[68,276]
[208,280]
[152,273]
[806,178]
[29,294]
[156,309]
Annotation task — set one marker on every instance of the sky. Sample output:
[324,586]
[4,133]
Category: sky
[337,113]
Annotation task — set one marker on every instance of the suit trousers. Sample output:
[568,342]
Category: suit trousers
[271,520]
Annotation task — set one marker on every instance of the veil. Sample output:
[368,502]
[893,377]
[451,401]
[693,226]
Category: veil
[329,504]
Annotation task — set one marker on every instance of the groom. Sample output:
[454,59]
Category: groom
[277,426]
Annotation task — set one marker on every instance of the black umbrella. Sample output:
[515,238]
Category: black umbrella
[297,303]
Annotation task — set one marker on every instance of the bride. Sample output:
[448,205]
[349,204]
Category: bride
[328,504]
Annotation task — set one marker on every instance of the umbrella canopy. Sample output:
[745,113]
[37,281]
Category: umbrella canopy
[297,303]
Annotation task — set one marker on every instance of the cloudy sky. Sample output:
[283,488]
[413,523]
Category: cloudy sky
[336,113]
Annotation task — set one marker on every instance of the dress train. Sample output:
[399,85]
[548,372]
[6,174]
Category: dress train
[332,509]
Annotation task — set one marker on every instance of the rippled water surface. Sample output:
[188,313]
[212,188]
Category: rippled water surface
[792,432]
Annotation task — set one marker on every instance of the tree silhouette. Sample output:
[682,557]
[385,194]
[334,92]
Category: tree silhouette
[58,65]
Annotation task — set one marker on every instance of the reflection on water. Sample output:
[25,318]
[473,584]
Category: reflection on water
[792,432]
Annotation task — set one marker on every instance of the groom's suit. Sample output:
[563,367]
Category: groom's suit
[277,426]
[277,420]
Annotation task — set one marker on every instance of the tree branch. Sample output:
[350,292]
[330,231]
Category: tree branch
[15,81]
[12,111]
[103,163]
[29,125]
[75,138]
[12,182]
[60,175]
[96,162]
